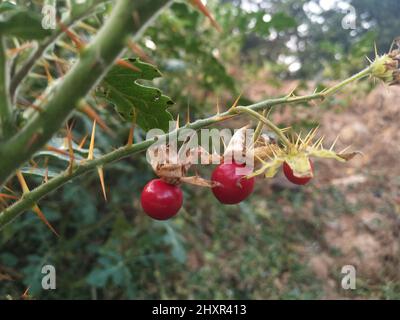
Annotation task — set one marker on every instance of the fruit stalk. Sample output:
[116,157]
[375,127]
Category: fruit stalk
[5,106]
[267,122]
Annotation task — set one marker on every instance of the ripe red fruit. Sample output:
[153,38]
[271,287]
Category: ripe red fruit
[287,170]
[161,200]
[233,188]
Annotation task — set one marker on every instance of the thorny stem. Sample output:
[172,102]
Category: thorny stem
[29,199]
[5,106]
[362,74]
[24,70]
[128,17]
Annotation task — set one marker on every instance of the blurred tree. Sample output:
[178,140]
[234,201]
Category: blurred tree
[312,31]
[382,17]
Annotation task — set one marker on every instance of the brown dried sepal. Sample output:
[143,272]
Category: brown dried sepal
[173,168]
[349,156]
[199,181]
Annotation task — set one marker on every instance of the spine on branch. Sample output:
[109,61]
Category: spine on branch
[128,17]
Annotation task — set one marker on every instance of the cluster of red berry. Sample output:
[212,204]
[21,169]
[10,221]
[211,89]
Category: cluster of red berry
[161,200]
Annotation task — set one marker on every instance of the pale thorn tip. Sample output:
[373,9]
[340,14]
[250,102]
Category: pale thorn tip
[298,139]
[235,103]
[101,177]
[177,122]
[345,149]
[218,109]
[91,146]
[334,143]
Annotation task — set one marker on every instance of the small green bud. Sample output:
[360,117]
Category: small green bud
[387,68]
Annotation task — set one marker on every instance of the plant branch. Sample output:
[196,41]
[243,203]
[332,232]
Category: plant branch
[128,17]
[24,70]
[266,121]
[362,74]
[27,200]
[259,128]
[5,106]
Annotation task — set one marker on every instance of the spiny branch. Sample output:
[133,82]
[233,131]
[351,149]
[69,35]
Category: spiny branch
[128,17]
[41,48]
[29,199]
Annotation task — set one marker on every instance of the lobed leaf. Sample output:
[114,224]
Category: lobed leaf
[145,105]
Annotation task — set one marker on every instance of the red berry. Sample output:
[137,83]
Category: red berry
[287,170]
[161,200]
[233,188]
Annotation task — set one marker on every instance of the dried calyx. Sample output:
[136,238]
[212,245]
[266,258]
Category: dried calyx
[172,167]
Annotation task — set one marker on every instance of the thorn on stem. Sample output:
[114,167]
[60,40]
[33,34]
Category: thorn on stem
[127,65]
[82,142]
[203,9]
[78,42]
[35,208]
[91,146]
[101,176]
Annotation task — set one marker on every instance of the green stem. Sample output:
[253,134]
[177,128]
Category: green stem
[24,70]
[258,131]
[5,106]
[362,74]
[127,17]
[267,122]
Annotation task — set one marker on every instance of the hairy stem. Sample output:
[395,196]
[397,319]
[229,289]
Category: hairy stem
[128,17]
[27,200]
[5,106]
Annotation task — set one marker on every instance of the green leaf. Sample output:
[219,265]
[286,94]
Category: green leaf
[23,24]
[134,101]
[63,154]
